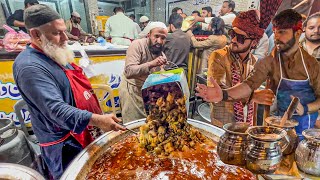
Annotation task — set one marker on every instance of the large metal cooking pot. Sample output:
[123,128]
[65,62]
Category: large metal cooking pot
[308,152]
[233,144]
[9,171]
[264,152]
[289,127]
[81,165]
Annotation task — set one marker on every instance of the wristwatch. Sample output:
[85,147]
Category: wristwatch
[225,95]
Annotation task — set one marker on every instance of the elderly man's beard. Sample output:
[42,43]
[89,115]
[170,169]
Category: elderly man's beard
[155,48]
[60,54]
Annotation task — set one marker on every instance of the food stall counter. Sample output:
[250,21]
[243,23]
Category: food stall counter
[108,65]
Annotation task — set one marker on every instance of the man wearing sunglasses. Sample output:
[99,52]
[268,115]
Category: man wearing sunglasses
[291,70]
[232,64]
[74,30]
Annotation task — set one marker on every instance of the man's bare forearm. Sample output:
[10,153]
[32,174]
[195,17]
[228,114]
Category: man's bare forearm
[17,23]
[314,106]
[239,91]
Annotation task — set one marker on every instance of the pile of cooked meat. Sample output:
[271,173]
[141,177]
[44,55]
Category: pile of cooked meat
[166,129]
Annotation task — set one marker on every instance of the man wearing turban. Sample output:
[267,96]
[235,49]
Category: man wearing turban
[292,72]
[232,64]
[59,96]
[143,56]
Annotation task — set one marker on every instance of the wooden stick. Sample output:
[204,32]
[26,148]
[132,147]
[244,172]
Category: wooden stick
[302,2]
[266,112]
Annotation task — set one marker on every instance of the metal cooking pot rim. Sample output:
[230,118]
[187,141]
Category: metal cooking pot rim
[9,124]
[289,123]
[227,126]
[80,162]
[19,171]
[312,134]
[282,133]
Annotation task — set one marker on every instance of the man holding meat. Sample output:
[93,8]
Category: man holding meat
[143,57]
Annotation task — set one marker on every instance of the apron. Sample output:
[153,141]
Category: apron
[58,154]
[300,89]
[75,31]
[84,98]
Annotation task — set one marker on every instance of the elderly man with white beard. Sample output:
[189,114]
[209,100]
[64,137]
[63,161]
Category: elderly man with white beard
[62,104]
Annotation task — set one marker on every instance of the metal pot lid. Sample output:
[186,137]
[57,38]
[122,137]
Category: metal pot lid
[12,171]
[312,134]
[276,120]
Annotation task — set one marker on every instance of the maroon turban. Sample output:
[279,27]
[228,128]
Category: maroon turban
[248,21]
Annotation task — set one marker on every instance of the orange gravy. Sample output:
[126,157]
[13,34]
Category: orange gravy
[125,160]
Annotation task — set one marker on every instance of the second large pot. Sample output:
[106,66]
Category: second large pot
[232,145]
[264,152]
[289,127]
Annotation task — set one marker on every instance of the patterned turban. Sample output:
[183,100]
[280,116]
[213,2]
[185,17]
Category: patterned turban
[248,21]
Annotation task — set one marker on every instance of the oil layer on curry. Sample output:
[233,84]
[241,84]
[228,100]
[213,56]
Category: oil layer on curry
[167,147]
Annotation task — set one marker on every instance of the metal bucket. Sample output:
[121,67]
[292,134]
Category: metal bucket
[81,165]
[14,147]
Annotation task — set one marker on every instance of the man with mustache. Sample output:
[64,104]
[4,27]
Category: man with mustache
[74,29]
[290,69]
[311,42]
[143,57]
[59,96]
[231,65]
[226,13]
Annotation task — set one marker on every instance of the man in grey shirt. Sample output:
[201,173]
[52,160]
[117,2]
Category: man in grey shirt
[177,46]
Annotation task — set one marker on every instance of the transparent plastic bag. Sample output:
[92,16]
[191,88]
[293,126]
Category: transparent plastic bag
[15,41]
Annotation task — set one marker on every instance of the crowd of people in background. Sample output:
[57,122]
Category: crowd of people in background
[231,37]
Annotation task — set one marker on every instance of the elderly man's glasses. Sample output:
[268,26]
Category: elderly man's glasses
[240,38]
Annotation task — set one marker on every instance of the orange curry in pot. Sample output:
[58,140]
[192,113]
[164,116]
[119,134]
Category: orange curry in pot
[167,147]
[126,160]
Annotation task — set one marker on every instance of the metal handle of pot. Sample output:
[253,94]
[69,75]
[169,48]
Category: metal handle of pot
[284,146]
[7,127]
